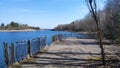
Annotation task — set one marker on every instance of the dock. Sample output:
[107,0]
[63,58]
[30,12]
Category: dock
[69,53]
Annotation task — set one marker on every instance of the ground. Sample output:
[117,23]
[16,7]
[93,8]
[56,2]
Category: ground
[73,53]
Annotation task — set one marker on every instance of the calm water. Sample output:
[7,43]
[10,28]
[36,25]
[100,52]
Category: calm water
[10,37]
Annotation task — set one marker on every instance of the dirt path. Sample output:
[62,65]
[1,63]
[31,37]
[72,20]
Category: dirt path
[70,53]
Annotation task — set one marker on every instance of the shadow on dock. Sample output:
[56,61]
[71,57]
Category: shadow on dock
[65,60]
[70,58]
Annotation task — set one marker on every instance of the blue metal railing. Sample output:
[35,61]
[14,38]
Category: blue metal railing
[34,46]
[21,49]
[42,42]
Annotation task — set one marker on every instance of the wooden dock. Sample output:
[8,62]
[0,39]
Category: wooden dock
[69,53]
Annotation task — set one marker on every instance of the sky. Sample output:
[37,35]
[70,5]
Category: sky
[44,13]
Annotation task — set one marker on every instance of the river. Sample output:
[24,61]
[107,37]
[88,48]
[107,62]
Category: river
[10,37]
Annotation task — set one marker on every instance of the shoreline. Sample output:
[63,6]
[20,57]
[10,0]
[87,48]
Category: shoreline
[25,30]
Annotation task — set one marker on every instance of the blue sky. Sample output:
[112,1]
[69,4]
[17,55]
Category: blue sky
[43,13]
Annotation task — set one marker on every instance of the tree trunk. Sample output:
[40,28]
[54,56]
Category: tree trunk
[92,8]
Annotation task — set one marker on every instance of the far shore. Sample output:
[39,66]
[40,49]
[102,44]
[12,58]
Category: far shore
[24,30]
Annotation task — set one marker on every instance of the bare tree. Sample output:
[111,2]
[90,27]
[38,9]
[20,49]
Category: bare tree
[93,9]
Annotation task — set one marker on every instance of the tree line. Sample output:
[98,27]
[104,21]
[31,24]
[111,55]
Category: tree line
[109,22]
[16,26]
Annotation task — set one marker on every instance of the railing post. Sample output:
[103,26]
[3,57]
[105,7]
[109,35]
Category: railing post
[12,57]
[39,44]
[28,49]
[45,41]
[6,53]
[55,37]
[52,38]
[60,37]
